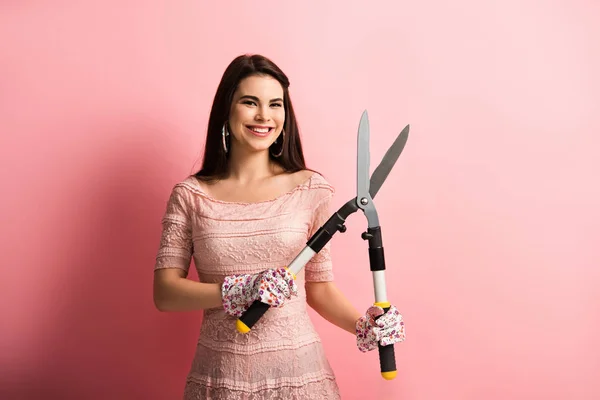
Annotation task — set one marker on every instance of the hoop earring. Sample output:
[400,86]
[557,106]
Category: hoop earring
[282,141]
[225,135]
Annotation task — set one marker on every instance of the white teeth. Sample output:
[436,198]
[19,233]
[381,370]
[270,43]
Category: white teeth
[260,130]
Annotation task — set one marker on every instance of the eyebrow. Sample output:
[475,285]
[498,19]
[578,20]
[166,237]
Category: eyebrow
[256,98]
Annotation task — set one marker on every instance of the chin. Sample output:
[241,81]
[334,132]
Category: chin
[260,149]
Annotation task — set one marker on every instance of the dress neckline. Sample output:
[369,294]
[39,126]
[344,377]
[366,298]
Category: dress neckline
[204,194]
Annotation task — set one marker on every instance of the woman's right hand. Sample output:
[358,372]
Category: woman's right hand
[272,287]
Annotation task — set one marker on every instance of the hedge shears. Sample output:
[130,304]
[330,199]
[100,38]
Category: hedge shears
[366,189]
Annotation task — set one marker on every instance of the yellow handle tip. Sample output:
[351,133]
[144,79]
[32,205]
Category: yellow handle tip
[383,304]
[389,375]
[293,275]
[242,327]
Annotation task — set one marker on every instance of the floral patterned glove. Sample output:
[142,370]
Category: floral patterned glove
[388,329]
[272,287]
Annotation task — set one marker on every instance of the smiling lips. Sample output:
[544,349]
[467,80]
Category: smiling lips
[260,131]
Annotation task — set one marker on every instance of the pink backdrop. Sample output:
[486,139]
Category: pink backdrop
[490,218]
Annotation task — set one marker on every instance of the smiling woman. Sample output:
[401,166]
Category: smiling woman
[253,93]
[257,115]
[242,218]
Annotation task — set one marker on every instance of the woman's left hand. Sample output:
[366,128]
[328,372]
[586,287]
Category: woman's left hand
[372,331]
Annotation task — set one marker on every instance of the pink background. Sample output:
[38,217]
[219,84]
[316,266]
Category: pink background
[490,217]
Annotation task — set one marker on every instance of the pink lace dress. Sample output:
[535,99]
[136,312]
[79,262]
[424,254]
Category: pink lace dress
[282,356]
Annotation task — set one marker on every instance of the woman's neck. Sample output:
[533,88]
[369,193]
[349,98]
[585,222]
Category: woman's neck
[248,167]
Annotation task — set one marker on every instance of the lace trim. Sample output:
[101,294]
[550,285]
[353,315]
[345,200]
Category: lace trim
[169,252]
[325,389]
[325,276]
[251,235]
[315,181]
[319,265]
[176,219]
[209,275]
[274,383]
[261,347]
[193,186]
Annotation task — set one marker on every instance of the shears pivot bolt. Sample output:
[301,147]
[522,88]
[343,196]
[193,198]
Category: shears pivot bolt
[364,201]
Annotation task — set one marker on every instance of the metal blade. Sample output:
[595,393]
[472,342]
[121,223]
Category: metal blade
[388,161]
[363,157]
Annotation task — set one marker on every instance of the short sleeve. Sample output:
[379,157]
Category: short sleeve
[175,249]
[320,267]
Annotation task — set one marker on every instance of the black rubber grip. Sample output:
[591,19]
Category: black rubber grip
[254,313]
[377,259]
[387,356]
[376,255]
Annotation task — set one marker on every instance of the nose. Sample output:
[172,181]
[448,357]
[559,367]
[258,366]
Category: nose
[262,114]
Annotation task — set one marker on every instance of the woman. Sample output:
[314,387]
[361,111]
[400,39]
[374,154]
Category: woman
[246,214]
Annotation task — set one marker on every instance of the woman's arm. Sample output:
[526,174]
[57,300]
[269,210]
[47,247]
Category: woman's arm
[330,303]
[174,292]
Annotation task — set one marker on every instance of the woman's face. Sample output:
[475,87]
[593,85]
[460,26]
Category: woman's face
[257,115]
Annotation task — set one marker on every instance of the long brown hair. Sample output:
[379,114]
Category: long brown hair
[214,164]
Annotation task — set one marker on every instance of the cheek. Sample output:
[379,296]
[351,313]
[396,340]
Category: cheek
[236,112]
[279,117]
[239,115]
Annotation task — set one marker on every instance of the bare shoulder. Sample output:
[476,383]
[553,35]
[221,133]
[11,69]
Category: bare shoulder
[300,177]
[314,180]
